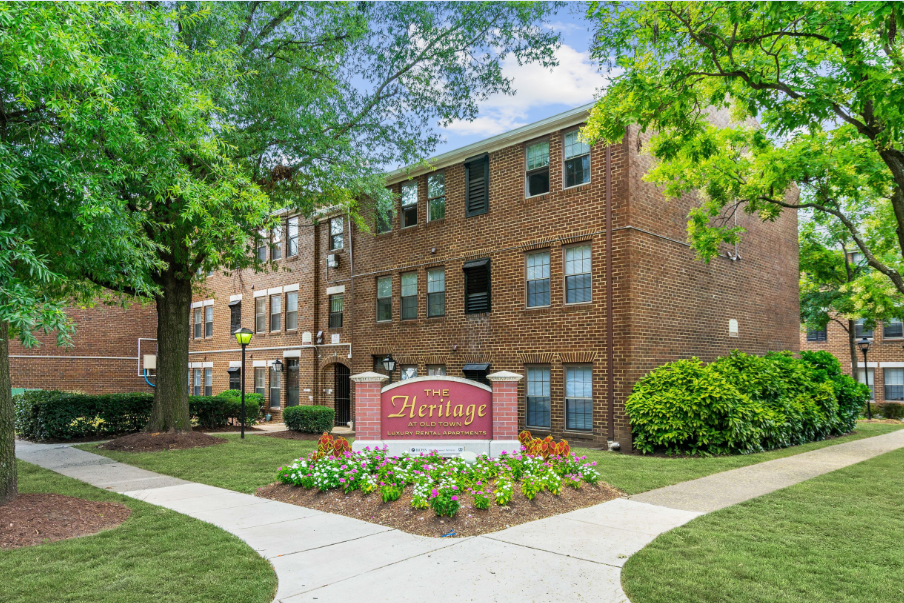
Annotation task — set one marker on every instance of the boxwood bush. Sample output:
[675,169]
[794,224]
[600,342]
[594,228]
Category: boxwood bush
[56,415]
[743,403]
[309,419]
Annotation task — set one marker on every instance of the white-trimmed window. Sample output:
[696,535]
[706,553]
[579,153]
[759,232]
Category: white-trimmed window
[894,384]
[538,400]
[408,371]
[577,274]
[291,310]
[537,168]
[409,204]
[262,242]
[579,398]
[275,388]
[409,296]
[436,292]
[276,243]
[384,299]
[208,321]
[436,196]
[870,376]
[577,160]
[197,389]
[538,279]
[276,312]
[892,329]
[293,237]
[260,314]
[260,381]
[336,308]
[199,323]
[337,229]
[436,370]
[208,382]
[860,329]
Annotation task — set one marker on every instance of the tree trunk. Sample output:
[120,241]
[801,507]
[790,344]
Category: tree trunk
[8,484]
[170,411]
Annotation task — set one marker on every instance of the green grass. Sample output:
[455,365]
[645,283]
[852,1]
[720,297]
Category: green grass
[245,465]
[834,538]
[155,556]
[637,473]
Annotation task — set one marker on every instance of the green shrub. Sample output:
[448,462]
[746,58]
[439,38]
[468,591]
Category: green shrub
[889,410]
[45,415]
[742,403]
[309,419]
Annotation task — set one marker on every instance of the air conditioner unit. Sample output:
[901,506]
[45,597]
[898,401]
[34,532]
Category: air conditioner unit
[332,260]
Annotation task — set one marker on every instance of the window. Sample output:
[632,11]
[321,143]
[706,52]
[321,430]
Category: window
[208,321]
[408,371]
[196,391]
[436,370]
[336,230]
[477,371]
[235,316]
[436,197]
[291,310]
[577,274]
[384,216]
[871,381]
[857,259]
[276,243]
[260,376]
[208,382]
[378,365]
[409,204]
[293,238]
[860,329]
[436,292]
[384,298]
[538,396]
[274,388]
[538,168]
[199,323]
[262,246]
[235,378]
[336,311]
[477,286]
[538,279]
[816,334]
[275,312]
[579,398]
[477,185]
[409,296]
[577,160]
[892,329]
[894,384]
[260,314]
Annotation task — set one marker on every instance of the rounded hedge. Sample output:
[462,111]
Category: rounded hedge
[309,419]
[743,403]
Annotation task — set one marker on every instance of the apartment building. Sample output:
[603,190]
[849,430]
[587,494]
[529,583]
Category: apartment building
[530,251]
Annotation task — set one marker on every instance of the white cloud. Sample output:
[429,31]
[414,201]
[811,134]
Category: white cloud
[572,83]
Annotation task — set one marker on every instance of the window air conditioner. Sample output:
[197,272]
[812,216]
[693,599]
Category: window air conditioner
[332,261]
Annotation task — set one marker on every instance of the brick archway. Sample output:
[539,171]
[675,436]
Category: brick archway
[335,358]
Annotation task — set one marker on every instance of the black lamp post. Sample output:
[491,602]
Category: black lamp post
[863,344]
[243,336]
[389,365]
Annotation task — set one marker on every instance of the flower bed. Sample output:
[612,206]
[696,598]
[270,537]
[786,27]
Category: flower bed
[427,494]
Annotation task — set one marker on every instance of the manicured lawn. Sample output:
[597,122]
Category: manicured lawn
[834,538]
[250,464]
[156,556]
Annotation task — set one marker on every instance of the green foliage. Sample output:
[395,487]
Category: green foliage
[56,415]
[889,410]
[743,403]
[309,419]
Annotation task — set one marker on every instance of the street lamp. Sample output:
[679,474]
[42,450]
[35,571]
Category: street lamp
[863,344]
[243,336]
[389,365]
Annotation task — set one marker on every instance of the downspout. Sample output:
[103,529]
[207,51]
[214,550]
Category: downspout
[610,331]
[351,307]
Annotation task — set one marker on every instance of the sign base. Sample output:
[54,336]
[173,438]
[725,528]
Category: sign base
[446,448]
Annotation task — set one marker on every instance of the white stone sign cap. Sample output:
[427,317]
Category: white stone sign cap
[505,376]
[368,377]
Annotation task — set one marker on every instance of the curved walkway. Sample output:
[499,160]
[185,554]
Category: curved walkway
[575,556]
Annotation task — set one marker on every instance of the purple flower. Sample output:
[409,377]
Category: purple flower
[341,480]
[434,492]
[455,487]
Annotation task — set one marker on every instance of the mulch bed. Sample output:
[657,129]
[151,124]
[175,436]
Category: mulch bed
[297,435]
[32,519]
[227,429]
[155,442]
[467,522]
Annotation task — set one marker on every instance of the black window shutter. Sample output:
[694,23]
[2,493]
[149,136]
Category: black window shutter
[477,185]
[477,286]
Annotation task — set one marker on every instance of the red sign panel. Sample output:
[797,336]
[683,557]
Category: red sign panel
[431,408]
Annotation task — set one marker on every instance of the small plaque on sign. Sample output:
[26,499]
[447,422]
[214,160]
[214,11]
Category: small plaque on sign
[441,450]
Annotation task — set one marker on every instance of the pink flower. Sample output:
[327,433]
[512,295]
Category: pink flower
[341,480]
[454,498]
[434,493]
[455,487]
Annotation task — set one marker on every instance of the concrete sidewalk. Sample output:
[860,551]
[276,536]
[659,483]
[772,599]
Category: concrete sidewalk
[575,556]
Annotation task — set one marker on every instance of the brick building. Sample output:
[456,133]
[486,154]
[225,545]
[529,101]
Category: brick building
[528,252]
[885,359]
[103,360]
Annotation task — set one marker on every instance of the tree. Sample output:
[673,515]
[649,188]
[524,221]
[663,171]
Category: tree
[306,105]
[824,81]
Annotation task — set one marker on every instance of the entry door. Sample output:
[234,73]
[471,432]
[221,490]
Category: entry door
[292,382]
[342,395]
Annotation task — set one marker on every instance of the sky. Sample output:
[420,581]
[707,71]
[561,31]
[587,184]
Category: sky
[540,93]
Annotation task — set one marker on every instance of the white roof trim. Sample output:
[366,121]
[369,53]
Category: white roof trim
[567,119]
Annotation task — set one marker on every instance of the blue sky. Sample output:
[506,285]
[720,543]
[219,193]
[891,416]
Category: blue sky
[540,92]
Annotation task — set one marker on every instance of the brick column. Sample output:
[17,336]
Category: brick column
[505,405]
[367,405]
